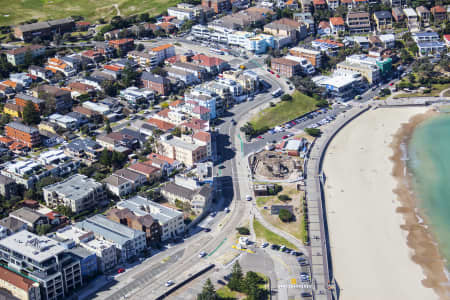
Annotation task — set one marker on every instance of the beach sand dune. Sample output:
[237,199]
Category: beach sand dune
[371,258]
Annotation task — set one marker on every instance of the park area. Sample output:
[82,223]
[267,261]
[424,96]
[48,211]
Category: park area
[14,12]
[283,111]
[288,196]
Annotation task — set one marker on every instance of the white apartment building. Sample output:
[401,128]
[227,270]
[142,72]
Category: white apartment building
[180,13]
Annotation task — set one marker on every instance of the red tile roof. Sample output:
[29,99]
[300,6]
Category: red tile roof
[162,125]
[143,168]
[200,110]
[202,136]
[113,68]
[167,159]
[337,21]
[176,103]
[196,124]
[447,37]
[438,9]
[120,42]
[324,24]
[90,53]
[208,61]
[16,279]
[319,2]
[164,113]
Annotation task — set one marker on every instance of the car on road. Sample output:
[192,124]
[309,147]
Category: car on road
[202,254]
[301,259]
[284,137]
[213,214]
[304,264]
[248,198]
[120,270]
[260,137]
[278,76]
[169,283]
[264,245]
[207,229]
[274,247]
[306,294]
[391,84]
[296,253]
[227,210]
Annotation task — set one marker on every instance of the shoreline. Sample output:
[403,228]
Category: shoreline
[420,238]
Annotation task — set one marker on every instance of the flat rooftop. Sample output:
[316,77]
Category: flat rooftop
[38,248]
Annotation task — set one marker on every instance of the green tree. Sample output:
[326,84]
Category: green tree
[243,230]
[176,132]
[315,132]
[28,58]
[284,197]
[236,278]
[286,97]
[42,229]
[129,76]
[30,115]
[285,215]
[251,286]
[248,129]
[208,292]
[140,47]
[159,71]
[108,128]
[105,158]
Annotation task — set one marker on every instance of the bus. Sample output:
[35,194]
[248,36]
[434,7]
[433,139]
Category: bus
[276,93]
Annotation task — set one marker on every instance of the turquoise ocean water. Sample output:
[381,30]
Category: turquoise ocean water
[429,153]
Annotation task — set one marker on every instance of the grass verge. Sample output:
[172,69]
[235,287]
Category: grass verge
[284,111]
[269,236]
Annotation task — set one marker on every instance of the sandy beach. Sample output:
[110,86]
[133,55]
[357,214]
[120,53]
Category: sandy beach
[370,243]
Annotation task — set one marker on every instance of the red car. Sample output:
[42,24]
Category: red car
[278,76]
[284,137]
[271,72]
[260,137]
[391,84]
[120,270]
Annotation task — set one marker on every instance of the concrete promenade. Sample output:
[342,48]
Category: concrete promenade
[321,266]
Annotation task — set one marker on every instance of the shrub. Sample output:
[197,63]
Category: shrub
[284,197]
[243,230]
[285,215]
[315,132]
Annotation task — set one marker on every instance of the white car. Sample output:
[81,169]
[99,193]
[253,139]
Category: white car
[264,245]
[169,283]
[202,254]
[248,198]
[227,210]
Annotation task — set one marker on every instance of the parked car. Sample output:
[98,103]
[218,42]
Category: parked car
[120,270]
[248,198]
[227,210]
[264,245]
[278,76]
[274,247]
[169,283]
[202,254]
[284,137]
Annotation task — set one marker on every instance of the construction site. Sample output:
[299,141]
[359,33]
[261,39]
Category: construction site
[275,166]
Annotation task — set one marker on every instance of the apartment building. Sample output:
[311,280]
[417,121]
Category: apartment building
[78,192]
[180,13]
[27,32]
[23,99]
[186,149]
[397,14]
[16,56]
[61,99]
[187,77]
[57,65]
[162,52]
[397,3]
[370,72]
[424,15]
[44,261]
[189,191]
[218,6]
[412,20]
[155,83]
[439,14]
[358,22]
[171,221]
[145,223]
[285,67]
[104,250]
[19,285]
[123,45]
[22,133]
[309,53]
[128,241]
[337,25]
[143,58]
[333,4]
[124,181]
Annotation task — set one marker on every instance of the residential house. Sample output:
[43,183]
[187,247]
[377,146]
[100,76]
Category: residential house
[397,3]
[57,65]
[83,148]
[124,181]
[429,48]
[93,55]
[439,14]
[319,5]
[40,72]
[156,83]
[186,149]
[330,47]
[31,218]
[324,28]
[77,192]
[337,25]
[166,164]
[311,54]
[348,4]
[180,13]
[424,15]
[171,223]
[143,58]
[187,77]
[17,56]
[61,100]
[117,139]
[383,19]
[397,14]
[412,19]
[333,4]
[358,22]
[146,169]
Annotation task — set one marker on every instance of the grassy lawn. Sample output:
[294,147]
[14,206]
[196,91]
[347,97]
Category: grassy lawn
[14,12]
[447,94]
[294,227]
[226,293]
[284,111]
[269,236]
[435,91]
